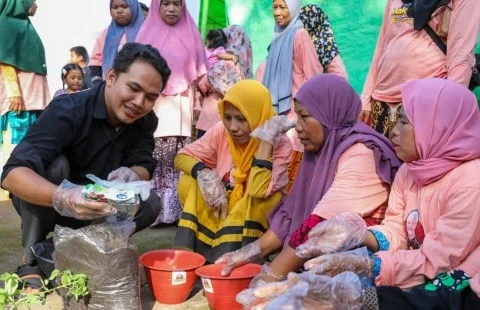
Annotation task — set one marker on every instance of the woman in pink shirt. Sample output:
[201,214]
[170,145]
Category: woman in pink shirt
[170,28]
[404,52]
[292,56]
[347,166]
[127,18]
[438,138]
[233,176]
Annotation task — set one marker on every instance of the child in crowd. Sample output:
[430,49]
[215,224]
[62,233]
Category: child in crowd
[144,8]
[79,56]
[72,76]
[216,41]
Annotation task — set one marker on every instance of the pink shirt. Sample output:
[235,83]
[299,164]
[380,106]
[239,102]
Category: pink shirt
[305,66]
[213,150]
[212,54]
[449,217]
[356,187]
[34,91]
[404,54]
[475,284]
[96,59]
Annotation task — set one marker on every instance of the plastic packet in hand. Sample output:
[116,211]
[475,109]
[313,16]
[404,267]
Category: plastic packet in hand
[141,188]
[123,196]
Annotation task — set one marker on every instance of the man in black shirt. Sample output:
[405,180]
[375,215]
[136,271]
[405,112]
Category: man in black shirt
[106,131]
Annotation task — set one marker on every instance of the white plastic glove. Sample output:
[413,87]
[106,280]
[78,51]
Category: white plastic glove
[123,174]
[213,190]
[247,254]
[338,234]
[336,263]
[68,200]
[273,129]
[306,291]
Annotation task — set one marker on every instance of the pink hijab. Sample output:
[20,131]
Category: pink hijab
[187,62]
[446,124]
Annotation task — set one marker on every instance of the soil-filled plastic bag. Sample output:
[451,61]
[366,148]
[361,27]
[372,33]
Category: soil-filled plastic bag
[102,252]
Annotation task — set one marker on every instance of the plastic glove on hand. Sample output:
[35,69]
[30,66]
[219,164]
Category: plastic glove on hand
[336,263]
[247,254]
[212,188]
[340,233]
[340,292]
[273,129]
[123,174]
[68,200]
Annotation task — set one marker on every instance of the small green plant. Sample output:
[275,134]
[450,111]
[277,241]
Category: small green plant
[12,297]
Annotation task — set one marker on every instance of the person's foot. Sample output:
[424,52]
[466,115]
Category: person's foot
[32,278]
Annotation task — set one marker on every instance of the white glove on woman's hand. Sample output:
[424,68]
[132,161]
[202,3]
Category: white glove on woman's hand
[273,129]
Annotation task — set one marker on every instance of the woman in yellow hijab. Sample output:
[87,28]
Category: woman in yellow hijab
[234,175]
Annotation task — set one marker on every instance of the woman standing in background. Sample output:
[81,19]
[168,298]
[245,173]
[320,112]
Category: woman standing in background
[224,74]
[127,18]
[291,56]
[23,83]
[316,23]
[170,28]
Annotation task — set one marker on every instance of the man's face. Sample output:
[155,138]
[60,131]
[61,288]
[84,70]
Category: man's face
[131,95]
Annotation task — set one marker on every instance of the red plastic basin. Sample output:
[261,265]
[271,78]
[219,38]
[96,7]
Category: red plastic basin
[221,291]
[171,273]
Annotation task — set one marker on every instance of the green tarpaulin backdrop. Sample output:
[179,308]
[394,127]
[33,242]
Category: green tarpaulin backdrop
[355,24]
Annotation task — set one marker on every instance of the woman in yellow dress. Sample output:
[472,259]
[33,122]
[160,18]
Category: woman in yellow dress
[234,175]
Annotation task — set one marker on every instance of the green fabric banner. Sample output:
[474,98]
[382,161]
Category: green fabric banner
[355,25]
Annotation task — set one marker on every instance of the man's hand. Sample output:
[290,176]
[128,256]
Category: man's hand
[68,200]
[123,174]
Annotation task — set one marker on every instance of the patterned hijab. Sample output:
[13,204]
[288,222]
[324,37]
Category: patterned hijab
[225,74]
[316,23]
[255,103]
[239,44]
[115,33]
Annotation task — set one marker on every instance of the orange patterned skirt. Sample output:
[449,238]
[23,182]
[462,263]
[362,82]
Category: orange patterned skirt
[293,168]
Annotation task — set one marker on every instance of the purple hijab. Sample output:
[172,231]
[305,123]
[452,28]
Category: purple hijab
[334,103]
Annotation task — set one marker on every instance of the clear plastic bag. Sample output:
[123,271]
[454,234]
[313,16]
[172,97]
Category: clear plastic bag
[306,291]
[125,197]
[102,252]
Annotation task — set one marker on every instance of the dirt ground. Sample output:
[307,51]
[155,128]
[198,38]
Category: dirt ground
[149,239]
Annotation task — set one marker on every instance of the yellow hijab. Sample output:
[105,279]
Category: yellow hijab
[255,103]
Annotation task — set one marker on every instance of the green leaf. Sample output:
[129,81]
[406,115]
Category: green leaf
[54,274]
[11,285]
[3,299]
[65,279]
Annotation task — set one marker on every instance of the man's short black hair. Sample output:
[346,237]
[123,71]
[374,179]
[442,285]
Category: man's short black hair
[143,6]
[132,52]
[81,51]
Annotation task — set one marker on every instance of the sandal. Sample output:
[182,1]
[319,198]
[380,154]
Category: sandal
[35,283]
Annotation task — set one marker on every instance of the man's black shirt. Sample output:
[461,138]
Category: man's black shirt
[76,126]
